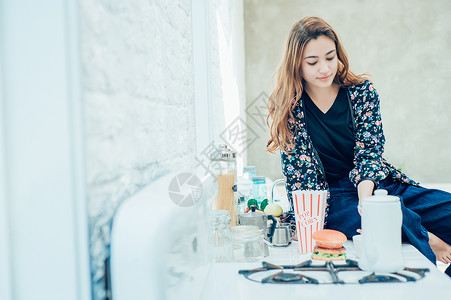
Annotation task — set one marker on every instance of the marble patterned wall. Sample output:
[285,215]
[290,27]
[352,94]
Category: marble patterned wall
[402,44]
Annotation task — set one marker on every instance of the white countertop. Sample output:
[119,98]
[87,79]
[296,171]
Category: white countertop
[224,282]
[162,254]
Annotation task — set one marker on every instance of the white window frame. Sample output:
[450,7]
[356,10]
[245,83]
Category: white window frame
[5,256]
[202,74]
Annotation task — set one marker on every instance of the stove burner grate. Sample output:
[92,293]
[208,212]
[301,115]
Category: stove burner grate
[295,277]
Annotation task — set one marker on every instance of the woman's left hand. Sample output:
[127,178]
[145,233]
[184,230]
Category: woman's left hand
[364,189]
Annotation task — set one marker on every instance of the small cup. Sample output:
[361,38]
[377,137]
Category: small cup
[357,239]
[282,236]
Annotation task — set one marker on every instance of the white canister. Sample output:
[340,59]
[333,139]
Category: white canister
[381,233]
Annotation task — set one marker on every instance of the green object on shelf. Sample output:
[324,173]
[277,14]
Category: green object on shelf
[264,204]
[252,202]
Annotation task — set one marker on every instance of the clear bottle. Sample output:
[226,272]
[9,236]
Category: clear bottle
[259,189]
[223,166]
[244,185]
[249,172]
[220,236]
[241,207]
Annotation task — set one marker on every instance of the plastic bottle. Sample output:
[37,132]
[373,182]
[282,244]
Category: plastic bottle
[259,189]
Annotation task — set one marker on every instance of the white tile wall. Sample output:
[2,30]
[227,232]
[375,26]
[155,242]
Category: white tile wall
[138,93]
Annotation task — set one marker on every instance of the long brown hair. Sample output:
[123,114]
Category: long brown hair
[289,86]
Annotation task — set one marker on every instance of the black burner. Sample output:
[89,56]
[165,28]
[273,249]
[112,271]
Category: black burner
[286,277]
[378,278]
[282,277]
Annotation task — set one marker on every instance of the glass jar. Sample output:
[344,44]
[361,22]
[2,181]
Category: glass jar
[247,243]
[259,189]
[220,244]
[223,166]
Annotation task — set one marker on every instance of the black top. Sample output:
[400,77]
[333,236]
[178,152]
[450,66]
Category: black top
[332,135]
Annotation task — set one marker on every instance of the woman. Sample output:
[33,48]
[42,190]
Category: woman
[326,121]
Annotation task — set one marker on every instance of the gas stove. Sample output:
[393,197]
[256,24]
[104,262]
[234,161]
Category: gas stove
[314,272]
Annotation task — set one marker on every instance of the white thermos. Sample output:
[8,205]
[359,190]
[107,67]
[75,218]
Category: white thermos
[381,233]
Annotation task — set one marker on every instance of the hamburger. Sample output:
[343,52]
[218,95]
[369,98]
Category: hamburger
[329,245]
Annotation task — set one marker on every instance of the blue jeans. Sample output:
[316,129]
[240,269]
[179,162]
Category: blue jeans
[423,210]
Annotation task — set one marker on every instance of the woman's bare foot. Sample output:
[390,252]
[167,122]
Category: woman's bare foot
[441,249]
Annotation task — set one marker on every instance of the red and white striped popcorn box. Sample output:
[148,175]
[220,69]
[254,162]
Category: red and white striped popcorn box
[309,211]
